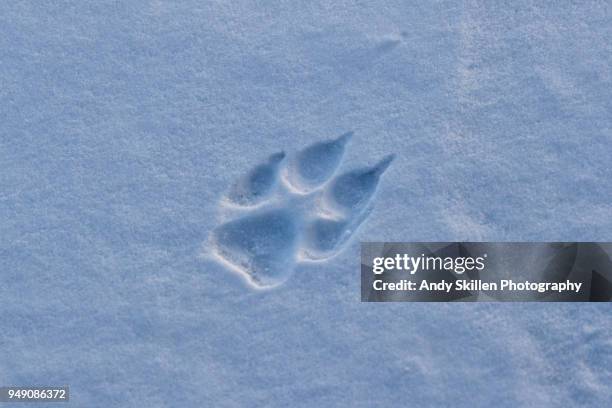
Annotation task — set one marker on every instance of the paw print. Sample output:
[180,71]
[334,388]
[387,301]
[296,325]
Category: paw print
[291,210]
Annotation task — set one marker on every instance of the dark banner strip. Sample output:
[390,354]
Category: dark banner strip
[486,272]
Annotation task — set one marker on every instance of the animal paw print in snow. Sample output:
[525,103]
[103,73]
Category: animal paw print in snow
[285,211]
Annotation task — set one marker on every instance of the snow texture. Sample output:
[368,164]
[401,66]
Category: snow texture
[128,130]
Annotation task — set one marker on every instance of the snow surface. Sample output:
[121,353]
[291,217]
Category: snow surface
[124,124]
